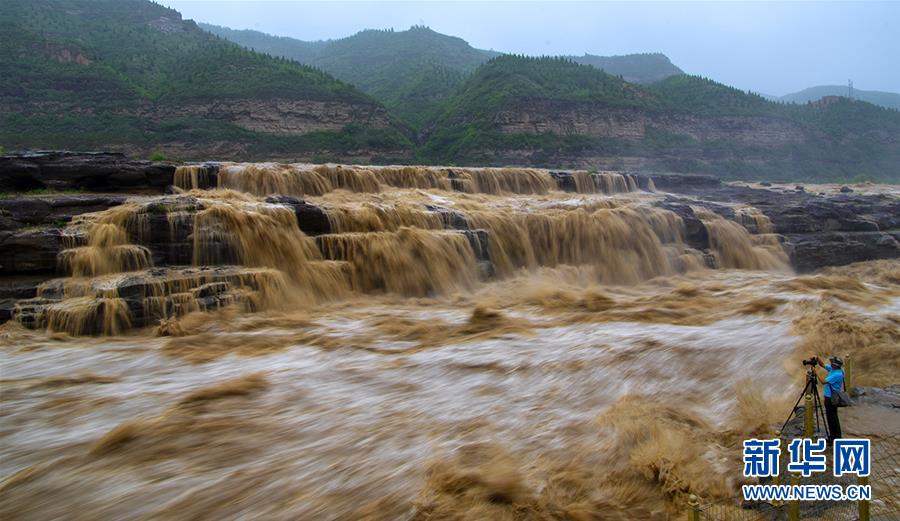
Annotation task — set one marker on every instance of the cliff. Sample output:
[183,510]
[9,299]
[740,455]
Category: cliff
[552,112]
[133,76]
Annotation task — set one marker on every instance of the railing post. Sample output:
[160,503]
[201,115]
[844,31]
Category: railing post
[847,374]
[863,504]
[794,507]
[808,417]
[776,479]
[693,508]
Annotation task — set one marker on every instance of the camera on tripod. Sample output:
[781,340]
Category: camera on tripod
[812,389]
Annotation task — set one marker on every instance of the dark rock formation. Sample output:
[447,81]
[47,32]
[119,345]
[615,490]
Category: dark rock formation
[14,289]
[817,250]
[95,171]
[311,219]
[564,180]
[695,234]
[451,219]
[669,182]
[210,288]
[819,230]
[16,213]
[29,250]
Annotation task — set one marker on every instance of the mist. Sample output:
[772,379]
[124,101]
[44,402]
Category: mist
[767,47]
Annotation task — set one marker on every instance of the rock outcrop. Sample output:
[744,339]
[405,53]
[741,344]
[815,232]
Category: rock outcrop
[283,117]
[98,172]
[597,120]
[819,229]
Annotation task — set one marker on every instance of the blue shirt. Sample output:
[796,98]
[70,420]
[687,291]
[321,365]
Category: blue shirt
[835,379]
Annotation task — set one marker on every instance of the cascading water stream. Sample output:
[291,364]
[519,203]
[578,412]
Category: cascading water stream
[386,234]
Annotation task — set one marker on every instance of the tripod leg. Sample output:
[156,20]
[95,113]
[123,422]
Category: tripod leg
[794,410]
[820,412]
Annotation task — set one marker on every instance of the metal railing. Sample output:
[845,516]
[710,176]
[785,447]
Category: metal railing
[884,479]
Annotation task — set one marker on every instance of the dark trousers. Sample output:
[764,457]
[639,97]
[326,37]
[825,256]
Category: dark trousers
[831,416]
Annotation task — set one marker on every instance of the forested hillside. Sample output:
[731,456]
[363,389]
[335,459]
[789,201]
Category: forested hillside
[409,71]
[132,74]
[553,111]
[636,68]
[889,100]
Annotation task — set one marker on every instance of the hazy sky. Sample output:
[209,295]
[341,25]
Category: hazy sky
[768,47]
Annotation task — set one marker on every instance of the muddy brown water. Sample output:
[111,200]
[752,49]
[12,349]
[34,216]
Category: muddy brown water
[603,372]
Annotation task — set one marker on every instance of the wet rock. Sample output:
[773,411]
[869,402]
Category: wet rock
[311,219]
[565,181]
[451,219]
[846,190]
[13,289]
[820,230]
[695,233]
[19,212]
[456,182]
[816,250]
[149,295]
[478,239]
[670,182]
[93,171]
[30,250]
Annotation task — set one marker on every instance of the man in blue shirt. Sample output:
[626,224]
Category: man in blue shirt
[833,382]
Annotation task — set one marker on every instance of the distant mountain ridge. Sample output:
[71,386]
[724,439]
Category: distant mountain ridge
[553,111]
[412,71]
[634,68]
[133,75]
[409,71]
[889,100]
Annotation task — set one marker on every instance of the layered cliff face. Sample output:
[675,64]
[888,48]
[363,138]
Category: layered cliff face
[134,76]
[553,112]
[568,118]
[280,117]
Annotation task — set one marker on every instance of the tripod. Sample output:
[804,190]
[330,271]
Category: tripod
[812,387]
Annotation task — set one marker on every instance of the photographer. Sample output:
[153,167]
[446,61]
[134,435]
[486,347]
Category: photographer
[833,381]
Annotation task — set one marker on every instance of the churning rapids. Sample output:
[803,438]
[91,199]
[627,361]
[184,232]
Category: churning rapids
[477,347]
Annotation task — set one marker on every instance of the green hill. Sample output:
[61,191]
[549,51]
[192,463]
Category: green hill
[889,100]
[555,112]
[131,74]
[635,68]
[409,71]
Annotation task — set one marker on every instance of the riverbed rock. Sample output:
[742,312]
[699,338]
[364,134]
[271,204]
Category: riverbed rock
[311,219]
[820,230]
[29,250]
[92,171]
[18,212]
[206,288]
